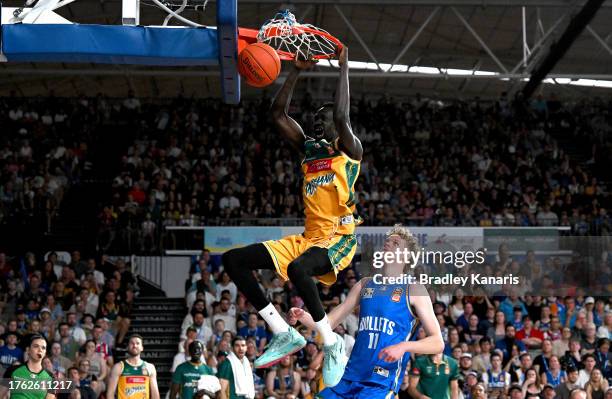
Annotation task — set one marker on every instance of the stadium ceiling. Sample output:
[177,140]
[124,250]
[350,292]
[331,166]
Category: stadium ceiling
[451,48]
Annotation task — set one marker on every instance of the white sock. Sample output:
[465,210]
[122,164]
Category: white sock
[273,318]
[323,328]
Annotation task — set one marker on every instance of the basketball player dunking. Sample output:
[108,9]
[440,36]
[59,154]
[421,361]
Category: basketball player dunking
[387,325]
[133,378]
[332,157]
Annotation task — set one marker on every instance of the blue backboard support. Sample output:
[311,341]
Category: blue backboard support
[135,45]
[227,36]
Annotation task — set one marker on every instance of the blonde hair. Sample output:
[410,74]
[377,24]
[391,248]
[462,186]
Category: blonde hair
[411,241]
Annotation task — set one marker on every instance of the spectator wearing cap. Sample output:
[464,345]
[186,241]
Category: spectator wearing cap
[465,363]
[548,392]
[482,361]
[496,380]
[465,368]
[571,382]
[467,384]
[10,352]
[47,325]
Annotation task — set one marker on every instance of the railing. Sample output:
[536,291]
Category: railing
[148,268]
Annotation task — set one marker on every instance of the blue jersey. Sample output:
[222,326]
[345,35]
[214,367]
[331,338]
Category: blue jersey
[385,318]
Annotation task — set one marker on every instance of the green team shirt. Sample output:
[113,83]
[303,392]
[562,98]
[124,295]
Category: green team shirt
[434,379]
[187,375]
[22,373]
[225,371]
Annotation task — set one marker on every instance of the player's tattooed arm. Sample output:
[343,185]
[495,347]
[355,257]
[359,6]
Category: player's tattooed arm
[288,127]
[347,141]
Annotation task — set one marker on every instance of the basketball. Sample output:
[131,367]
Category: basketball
[259,64]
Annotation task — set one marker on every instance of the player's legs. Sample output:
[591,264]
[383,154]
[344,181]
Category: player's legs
[239,264]
[315,262]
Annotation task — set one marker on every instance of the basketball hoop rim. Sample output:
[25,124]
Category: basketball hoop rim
[288,56]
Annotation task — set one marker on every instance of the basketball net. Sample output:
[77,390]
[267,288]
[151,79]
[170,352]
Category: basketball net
[292,39]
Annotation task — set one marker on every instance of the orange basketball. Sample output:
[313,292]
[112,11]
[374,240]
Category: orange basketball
[259,64]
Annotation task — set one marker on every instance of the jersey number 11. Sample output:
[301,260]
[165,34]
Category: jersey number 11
[373,341]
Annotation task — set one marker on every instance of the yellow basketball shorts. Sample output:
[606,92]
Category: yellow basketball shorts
[340,250]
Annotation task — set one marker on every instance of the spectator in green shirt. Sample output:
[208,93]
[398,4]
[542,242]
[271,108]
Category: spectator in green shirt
[186,376]
[235,373]
[434,377]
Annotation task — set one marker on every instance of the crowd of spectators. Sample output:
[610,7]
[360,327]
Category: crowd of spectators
[433,163]
[43,151]
[82,307]
[426,162]
[508,346]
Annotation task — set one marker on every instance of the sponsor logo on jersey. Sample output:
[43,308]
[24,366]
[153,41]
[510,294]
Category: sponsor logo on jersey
[381,371]
[318,166]
[396,296]
[135,380]
[368,293]
[134,390]
[311,187]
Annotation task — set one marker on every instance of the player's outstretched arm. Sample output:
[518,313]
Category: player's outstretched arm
[335,317]
[433,343]
[347,141]
[287,126]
